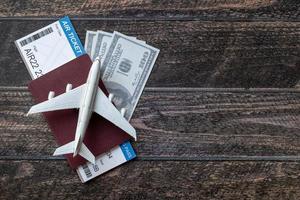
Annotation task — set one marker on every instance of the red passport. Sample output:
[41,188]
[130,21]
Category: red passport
[101,135]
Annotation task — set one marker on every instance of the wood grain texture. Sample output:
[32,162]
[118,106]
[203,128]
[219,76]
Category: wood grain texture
[177,125]
[194,143]
[153,180]
[193,53]
[229,10]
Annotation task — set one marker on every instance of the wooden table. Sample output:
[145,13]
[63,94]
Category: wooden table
[219,118]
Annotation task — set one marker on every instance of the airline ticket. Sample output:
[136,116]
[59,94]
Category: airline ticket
[50,47]
[106,162]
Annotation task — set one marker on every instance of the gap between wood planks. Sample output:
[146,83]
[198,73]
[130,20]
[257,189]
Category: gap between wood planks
[171,18]
[191,89]
[173,158]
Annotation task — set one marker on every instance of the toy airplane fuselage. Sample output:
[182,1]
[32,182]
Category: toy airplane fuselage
[87,105]
[88,98]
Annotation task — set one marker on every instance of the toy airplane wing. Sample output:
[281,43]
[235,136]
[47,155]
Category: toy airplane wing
[107,110]
[68,100]
[72,99]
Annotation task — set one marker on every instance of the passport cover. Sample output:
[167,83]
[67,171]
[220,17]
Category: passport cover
[101,135]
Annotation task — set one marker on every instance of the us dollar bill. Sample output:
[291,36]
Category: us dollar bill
[125,70]
[90,37]
[101,45]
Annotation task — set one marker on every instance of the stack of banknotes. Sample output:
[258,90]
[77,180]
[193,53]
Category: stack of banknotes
[126,65]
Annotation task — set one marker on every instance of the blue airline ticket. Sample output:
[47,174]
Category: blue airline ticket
[50,47]
[106,162]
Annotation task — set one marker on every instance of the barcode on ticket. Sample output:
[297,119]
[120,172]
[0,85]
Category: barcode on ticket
[36,36]
[87,171]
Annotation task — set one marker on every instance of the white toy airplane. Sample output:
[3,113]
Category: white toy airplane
[88,98]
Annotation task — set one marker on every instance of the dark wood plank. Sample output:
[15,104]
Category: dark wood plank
[143,180]
[142,9]
[177,125]
[193,53]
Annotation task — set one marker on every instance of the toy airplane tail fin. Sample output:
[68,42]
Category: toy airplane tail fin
[69,148]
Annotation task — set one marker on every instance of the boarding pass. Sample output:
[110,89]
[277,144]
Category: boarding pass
[50,47]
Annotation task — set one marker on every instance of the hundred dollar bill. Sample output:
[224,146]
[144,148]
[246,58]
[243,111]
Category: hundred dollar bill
[90,37]
[102,43]
[125,70]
